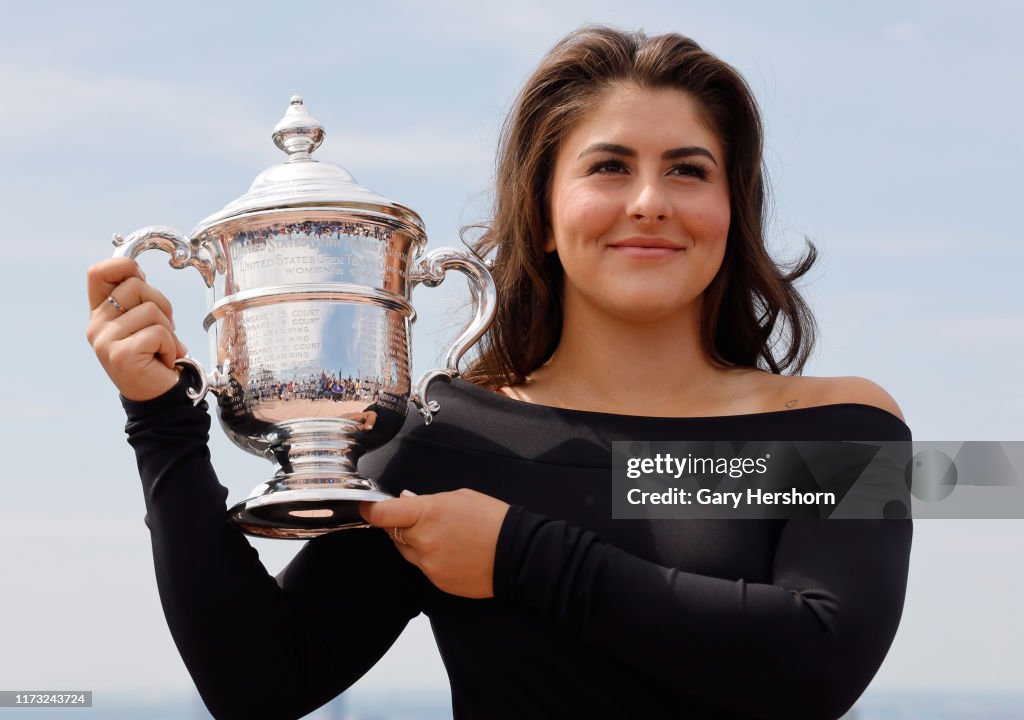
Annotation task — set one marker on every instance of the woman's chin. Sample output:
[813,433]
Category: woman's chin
[634,299]
[652,310]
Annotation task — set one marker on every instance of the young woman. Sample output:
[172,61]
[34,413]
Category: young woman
[637,302]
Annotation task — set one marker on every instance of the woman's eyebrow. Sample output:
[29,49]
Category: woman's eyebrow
[673,154]
[688,152]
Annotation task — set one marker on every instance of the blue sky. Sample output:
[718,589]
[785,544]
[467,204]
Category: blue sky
[893,143]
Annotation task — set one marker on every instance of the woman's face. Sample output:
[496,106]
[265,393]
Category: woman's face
[639,206]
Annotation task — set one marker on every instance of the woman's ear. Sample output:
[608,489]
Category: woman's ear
[549,241]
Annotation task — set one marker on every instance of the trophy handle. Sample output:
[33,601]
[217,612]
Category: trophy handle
[431,272]
[205,382]
[183,252]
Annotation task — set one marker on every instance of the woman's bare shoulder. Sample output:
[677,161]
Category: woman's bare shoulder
[800,391]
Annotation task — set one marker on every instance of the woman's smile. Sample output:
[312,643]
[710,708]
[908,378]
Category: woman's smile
[655,248]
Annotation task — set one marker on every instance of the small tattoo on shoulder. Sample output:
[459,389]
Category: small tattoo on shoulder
[790,403]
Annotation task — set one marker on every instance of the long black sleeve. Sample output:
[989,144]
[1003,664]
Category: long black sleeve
[803,646]
[256,646]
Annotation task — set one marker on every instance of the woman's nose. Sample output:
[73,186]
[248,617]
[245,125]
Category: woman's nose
[649,201]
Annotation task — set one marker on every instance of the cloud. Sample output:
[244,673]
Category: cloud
[69,105]
[431,148]
[889,244]
[55,526]
[110,109]
[981,331]
[107,142]
[32,410]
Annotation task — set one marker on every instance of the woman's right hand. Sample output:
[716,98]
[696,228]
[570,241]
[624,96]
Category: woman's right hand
[136,344]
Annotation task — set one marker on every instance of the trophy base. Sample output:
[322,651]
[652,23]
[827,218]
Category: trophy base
[303,514]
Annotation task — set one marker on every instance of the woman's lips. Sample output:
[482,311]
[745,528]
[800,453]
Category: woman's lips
[641,251]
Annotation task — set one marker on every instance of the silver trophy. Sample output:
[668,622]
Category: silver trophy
[309,327]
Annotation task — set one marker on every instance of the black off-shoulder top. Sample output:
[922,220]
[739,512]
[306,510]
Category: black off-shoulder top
[592,617]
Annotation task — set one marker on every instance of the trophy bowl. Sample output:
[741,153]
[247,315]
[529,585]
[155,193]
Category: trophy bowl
[309,325]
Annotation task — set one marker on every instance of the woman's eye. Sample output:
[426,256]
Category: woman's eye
[608,166]
[695,170]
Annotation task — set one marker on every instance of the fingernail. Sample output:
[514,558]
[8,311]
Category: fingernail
[408,493]
[142,275]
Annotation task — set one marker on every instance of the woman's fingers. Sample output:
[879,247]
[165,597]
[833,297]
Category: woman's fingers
[397,517]
[143,306]
[450,536]
[137,318]
[133,337]
[131,293]
[138,351]
[119,278]
[106,275]
[403,512]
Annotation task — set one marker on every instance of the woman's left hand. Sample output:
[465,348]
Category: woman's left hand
[450,536]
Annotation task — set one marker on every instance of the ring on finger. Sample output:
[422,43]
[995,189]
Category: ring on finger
[117,306]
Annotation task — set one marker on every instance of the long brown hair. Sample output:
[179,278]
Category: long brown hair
[753,315]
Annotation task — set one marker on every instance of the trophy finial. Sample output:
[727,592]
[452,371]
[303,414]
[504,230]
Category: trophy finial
[298,133]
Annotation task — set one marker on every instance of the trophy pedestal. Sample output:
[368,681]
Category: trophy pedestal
[316,488]
[302,514]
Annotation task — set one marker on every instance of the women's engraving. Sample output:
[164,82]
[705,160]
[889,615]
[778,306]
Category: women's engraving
[318,252]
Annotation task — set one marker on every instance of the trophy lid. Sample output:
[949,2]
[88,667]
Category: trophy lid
[302,181]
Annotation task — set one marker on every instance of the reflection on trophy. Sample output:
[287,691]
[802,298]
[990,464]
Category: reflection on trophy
[310,328]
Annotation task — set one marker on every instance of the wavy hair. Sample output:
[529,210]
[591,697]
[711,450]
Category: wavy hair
[753,315]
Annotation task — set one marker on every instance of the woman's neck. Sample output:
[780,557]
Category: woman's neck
[615,365]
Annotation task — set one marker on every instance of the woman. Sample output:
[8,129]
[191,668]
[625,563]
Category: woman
[638,302]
